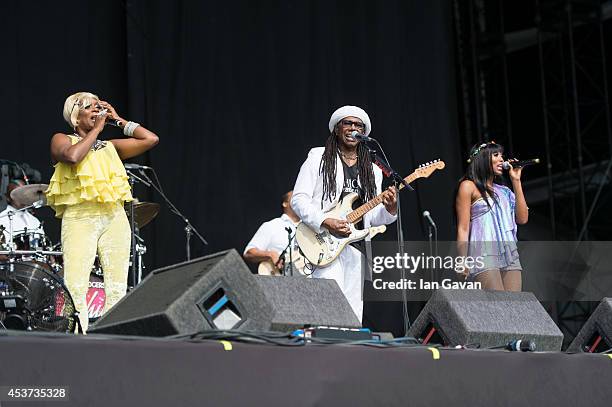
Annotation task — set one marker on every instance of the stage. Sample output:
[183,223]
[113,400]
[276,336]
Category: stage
[102,370]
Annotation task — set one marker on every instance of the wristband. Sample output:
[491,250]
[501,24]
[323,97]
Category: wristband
[129,128]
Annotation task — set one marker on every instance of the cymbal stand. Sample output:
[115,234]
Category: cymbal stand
[141,249]
[134,275]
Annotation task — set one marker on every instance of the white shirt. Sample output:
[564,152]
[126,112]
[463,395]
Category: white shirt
[272,235]
[21,221]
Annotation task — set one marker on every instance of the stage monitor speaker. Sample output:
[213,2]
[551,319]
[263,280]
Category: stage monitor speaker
[596,334]
[219,292]
[485,318]
[297,302]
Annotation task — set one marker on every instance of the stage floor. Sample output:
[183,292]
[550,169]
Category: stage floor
[133,371]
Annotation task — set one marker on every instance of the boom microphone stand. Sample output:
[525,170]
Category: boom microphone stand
[189,228]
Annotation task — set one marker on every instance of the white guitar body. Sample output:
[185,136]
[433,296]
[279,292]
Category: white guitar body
[323,248]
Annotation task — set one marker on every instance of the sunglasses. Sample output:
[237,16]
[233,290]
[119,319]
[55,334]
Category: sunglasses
[349,123]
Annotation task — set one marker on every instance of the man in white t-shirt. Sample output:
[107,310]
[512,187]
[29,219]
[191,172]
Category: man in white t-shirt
[22,221]
[272,237]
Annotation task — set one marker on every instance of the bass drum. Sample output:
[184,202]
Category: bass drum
[34,299]
[96,296]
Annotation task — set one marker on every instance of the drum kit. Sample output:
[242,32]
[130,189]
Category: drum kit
[32,292]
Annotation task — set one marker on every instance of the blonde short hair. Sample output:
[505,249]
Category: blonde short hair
[79,99]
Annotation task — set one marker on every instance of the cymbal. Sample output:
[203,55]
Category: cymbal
[28,194]
[145,212]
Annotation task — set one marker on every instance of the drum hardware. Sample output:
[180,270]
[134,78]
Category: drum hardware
[10,214]
[140,250]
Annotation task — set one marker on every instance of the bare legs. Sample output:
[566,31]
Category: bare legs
[494,279]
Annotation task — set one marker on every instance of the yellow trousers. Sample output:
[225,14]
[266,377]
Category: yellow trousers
[89,228]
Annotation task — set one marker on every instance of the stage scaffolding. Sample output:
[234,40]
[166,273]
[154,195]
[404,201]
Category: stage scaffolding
[572,198]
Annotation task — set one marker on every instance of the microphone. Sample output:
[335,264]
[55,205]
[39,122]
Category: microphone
[521,345]
[111,121]
[427,216]
[360,137]
[520,163]
[131,166]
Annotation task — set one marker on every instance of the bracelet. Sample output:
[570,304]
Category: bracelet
[129,128]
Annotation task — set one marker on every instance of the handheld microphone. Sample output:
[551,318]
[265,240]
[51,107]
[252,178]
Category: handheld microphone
[360,137]
[521,163]
[521,345]
[131,166]
[427,216]
[111,121]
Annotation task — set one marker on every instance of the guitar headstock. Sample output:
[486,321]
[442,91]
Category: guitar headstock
[425,170]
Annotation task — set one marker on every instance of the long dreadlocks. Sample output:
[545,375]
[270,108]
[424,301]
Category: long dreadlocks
[327,168]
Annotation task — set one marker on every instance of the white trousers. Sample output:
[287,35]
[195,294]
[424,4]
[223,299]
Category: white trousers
[346,271]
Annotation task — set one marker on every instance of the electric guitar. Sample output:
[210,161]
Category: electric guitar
[267,268]
[321,249]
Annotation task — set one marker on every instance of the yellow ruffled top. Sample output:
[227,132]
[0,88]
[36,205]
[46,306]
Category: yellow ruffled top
[99,177]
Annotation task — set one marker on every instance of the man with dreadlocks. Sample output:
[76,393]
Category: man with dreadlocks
[330,173]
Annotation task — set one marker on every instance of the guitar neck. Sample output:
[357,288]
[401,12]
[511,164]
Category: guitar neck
[356,215]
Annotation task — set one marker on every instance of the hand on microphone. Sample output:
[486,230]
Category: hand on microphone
[113,118]
[515,173]
[100,120]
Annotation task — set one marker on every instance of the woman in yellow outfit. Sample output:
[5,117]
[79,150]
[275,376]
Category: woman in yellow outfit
[88,189]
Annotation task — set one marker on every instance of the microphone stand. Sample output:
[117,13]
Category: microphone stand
[132,178]
[432,234]
[389,172]
[290,248]
[189,228]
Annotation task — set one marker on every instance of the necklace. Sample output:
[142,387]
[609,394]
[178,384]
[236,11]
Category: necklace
[99,144]
[348,156]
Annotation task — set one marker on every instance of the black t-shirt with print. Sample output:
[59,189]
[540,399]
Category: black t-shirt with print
[351,184]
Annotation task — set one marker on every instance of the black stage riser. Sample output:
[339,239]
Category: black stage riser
[137,372]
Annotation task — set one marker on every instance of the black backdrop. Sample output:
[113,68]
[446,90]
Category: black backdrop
[238,91]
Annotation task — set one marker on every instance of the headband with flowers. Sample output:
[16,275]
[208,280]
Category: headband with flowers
[480,147]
